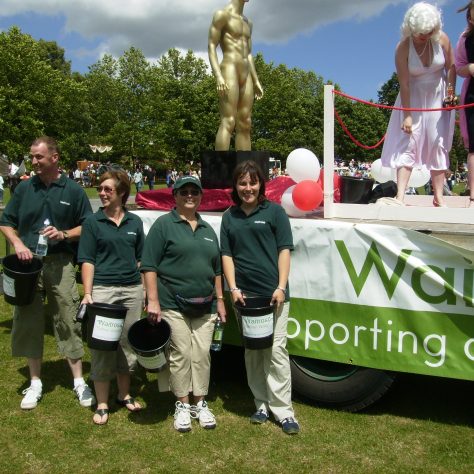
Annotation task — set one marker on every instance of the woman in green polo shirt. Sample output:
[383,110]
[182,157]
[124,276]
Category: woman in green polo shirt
[110,251]
[181,259]
[256,241]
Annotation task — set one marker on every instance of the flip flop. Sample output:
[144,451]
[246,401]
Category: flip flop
[101,412]
[128,401]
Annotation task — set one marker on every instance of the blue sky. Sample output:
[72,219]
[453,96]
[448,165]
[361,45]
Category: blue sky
[348,42]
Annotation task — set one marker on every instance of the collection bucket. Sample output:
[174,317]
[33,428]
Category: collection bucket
[104,325]
[20,279]
[256,320]
[356,190]
[149,342]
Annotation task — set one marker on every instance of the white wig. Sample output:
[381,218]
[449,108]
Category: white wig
[422,18]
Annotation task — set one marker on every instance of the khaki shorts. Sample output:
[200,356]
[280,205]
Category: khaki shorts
[57,286]
[105,365]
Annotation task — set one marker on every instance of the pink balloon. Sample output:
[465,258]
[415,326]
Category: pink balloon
[307,195]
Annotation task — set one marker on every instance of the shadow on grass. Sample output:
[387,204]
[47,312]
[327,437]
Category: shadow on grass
[422,397]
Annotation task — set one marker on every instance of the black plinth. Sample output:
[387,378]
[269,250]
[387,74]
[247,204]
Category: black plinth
[217,167]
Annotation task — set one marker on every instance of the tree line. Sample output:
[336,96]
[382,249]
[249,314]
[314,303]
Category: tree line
[164,114]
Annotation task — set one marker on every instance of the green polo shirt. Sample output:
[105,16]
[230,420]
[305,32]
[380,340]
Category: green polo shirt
[254,242]
[113,250]
[64,203]
[186,262]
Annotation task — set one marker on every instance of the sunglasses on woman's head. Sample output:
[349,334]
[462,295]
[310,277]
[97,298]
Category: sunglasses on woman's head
[187,192]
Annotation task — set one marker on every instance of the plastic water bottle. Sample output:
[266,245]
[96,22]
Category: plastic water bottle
[42,246]
[216,344]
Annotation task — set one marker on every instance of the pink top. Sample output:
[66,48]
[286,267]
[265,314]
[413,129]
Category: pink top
[461,60]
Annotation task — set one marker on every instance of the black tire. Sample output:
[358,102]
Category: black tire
[346,387]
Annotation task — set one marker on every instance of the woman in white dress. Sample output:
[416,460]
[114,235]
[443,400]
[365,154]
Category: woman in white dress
[424,60]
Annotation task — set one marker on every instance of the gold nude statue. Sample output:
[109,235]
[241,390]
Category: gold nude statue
[237,81]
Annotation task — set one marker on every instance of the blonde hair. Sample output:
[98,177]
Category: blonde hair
[422,18]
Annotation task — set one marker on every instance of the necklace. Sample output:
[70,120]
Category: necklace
[424,49]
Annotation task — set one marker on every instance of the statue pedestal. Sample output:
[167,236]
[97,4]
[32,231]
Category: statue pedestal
[217,167]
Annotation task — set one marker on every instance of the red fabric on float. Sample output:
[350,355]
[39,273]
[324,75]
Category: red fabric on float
[212,199]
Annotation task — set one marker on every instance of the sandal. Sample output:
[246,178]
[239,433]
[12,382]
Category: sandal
[101,412]
[128,401]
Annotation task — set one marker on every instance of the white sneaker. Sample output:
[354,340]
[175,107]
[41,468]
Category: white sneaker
[182,417]
[85,395]
[206,418]
[31,398]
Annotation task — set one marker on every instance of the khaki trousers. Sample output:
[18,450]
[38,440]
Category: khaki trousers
[189,358]
[268,371]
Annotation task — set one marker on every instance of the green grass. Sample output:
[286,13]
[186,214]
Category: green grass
[423,425]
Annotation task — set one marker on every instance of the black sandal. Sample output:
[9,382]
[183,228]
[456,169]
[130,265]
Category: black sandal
[101,412]
[127,401]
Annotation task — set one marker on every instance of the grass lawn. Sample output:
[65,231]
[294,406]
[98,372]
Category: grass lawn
[424,424]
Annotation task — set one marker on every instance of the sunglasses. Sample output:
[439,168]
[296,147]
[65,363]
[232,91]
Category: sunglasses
[106,189]
[187,192]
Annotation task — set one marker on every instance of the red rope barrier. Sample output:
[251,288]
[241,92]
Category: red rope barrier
[382,106]
[349,134]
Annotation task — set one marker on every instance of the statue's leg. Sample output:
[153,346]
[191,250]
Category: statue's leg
[227,108]
[244,116]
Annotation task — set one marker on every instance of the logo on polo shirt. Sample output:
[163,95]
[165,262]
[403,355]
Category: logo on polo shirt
[65,203]
[259,222]
[131,233]
[209,240]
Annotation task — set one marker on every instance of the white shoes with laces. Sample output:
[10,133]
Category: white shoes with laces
[201,412]
[85,396]
[32,396]
[182,417]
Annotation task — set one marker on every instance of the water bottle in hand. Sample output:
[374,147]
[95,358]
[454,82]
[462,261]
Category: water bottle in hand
[216,344]
[42,246]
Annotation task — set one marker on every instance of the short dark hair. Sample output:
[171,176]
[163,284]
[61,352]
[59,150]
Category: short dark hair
[50,143]
[122,183]
[255,173]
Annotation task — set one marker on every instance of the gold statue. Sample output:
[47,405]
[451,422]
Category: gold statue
[237,81]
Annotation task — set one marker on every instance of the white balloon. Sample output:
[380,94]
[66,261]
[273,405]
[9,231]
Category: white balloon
[419,177]
[303,164]
[382,174]
[288,204]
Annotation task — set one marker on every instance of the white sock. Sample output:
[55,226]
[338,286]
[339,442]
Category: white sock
[37,384]
[79,381]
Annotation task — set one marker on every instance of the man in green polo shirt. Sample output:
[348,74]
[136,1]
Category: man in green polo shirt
[54,197]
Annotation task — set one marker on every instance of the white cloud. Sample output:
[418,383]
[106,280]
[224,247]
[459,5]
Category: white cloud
[154,26]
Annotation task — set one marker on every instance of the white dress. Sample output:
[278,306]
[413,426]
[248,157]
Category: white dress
[432,132]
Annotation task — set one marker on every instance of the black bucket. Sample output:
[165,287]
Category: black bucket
[104,325]
[149,342]
[20,280]
[356,190]
[256,321]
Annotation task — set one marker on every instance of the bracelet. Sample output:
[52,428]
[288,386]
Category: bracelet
[220,297]
[282,289]
[234,289]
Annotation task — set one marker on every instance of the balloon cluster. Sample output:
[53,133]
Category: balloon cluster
[307,194]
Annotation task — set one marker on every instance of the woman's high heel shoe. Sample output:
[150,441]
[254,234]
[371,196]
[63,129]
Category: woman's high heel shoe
[437,204]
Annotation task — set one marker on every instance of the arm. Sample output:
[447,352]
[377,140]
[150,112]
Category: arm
[22,251]
[257,87]
[401,63]
[87,274]
[153,307]
[229,273]
[215,32]
[450,67]
[279,294]
[220,298]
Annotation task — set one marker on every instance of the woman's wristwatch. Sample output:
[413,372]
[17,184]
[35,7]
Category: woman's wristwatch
[282,289]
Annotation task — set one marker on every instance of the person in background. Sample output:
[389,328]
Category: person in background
[424,60]
[465,69]
[181,259]
[53,196]
[138,179]
[1,189]
[256,241]
[110,252]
